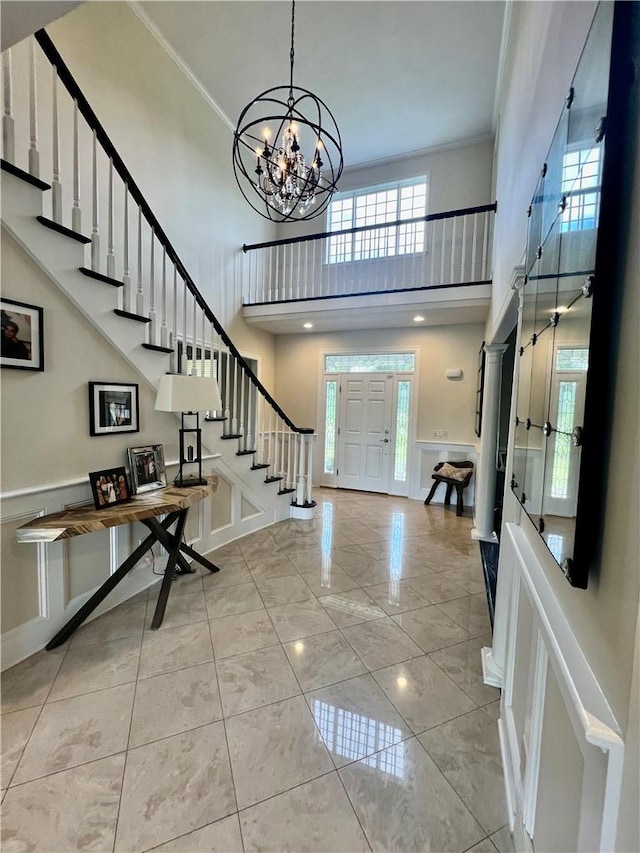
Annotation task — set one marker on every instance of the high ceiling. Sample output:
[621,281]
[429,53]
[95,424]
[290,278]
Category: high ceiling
[400,77]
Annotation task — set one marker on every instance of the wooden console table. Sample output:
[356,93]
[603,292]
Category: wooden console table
[172,502]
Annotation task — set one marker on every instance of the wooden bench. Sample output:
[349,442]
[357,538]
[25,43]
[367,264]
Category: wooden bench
[460,484]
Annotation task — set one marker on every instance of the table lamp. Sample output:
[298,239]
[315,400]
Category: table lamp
[188,395]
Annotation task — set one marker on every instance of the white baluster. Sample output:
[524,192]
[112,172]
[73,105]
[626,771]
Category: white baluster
[485,243]
[56,186]
[259,436]
[249,443]
[234,398]
[453,246]
[95,233]
[164,330]
[34,154]
[463,265]
[126,275]
[203,353]
[152,292]
[474,244]
[442,248]
[276,448]
[183,351]
[111,258]
[306,268]
[289,458]
[140,291]
[8,127]
[227,394]
[194,353]
[76,214]
[298,272]
[173,337]
[243,427]
[270,469]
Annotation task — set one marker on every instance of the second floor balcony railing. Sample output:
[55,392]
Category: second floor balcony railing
[439,250]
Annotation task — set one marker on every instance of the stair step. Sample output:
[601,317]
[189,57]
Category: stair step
[229,437]
[67,232]
[245,452]
[259,466]
[285,491]
[272,479]
[127,314]
[156,348]
[24,176]
[105,279]
[215,419]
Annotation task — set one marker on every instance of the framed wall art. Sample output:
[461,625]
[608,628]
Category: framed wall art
[22,335]
[113,408]
[147,468]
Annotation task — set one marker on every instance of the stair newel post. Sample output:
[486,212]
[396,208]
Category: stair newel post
[309,493]
[164,330]
[300,490]
[140,290]
[76,216]
[126,276]
[8,125]
[34,154]
[152,291]
[111,258]
[56,186]
[95,233]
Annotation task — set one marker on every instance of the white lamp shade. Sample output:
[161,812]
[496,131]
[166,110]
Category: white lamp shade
[178,393]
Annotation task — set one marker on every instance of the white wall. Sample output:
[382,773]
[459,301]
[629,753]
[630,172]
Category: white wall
[442,404]
[177,149]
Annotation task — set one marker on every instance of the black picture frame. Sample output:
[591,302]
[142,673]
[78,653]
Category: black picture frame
[22,335]
[147,468]
[113,408]
[109,487]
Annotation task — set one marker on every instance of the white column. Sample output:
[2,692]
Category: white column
[486,473]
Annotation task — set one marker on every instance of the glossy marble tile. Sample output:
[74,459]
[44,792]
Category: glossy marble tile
[175,648]
[430,628]
[316,817]
[463,664]
[323,659]
[186,609]
[327,580]
[229,600]
[396,597]
[273,749]
[233,635]
[484,846]
[422,693]
[470,612]
[403,802]
[296,621]
[96,667]
[381,643]
[174,786]
[73,810]
[471,581]
[74,731]
[271,566]
[231,572]
[503,840]
[254,679]
[351,607]
[16,729]
[370,573]
[493,710]
[223,836]
[174,702]
[275,591]
[28,683]
[467,751]
[355,719]
[436,587]
[127,620]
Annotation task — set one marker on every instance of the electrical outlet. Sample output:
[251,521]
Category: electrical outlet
[440,433]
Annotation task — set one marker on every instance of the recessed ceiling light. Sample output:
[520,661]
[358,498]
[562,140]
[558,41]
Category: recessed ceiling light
[418,318]
[307,325]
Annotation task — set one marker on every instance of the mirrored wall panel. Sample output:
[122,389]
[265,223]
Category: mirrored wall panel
[554,352]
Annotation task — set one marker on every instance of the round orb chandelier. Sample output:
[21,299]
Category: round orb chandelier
[294,180]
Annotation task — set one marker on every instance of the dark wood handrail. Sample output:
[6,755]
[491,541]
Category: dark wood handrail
[70,84]
[430,217]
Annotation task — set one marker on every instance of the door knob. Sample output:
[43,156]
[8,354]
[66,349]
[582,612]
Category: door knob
[386,440]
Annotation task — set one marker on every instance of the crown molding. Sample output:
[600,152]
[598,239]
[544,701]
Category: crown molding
[422,152]
[177,59]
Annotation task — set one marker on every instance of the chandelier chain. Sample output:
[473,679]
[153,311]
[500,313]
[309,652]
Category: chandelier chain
[291,53]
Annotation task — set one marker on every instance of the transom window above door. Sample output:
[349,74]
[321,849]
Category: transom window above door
[385,362]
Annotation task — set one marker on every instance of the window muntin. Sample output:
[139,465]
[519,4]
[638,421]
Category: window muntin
[331,414]
[581,178]
[402,430]
[375,206]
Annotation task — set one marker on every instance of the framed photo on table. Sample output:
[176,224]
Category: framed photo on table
[113,408]
[147,468]
[109,487]
[22,335]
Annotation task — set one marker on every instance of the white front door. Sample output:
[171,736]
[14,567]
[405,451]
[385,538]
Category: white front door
[364,432]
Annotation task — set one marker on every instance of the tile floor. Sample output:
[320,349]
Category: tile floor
[322,692]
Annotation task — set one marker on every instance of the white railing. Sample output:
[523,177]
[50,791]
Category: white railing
[50,132]
[439,250]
